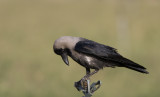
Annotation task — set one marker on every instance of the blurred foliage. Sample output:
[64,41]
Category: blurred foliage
[29,68]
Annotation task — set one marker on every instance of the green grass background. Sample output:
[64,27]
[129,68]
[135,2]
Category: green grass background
[28,29]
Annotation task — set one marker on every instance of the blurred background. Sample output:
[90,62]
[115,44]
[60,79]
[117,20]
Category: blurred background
[28,29]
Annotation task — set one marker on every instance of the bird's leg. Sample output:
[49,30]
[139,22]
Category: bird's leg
[88,74]
[92,73]
[88,71]
[82,84]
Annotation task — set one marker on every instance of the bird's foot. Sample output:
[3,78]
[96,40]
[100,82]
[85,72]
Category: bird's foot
[82,83]
[84,86]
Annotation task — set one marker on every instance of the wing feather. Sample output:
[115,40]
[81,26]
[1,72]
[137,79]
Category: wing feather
[95,49]
[104,52]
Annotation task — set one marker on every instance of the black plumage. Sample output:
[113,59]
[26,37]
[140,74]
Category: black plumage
[106,53]
[92,55]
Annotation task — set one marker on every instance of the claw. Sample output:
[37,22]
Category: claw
[86,88]
[81,84]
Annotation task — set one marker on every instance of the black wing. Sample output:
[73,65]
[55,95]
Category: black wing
[107,53]
[95,49]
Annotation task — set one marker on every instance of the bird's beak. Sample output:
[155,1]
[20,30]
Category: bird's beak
[65,58]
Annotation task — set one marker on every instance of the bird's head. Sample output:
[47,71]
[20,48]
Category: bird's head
[63,45]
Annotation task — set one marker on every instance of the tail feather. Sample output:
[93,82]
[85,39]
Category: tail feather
[124,62]
[142,70]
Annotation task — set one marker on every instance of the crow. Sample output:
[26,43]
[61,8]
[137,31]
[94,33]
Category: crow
[92,55]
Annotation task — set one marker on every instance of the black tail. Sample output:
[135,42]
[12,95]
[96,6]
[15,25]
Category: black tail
[124,62]
[137,68]
[134,66]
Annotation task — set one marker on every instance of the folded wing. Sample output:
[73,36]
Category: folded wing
[107,53]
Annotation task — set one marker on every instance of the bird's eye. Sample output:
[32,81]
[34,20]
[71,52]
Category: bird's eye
[59,51]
